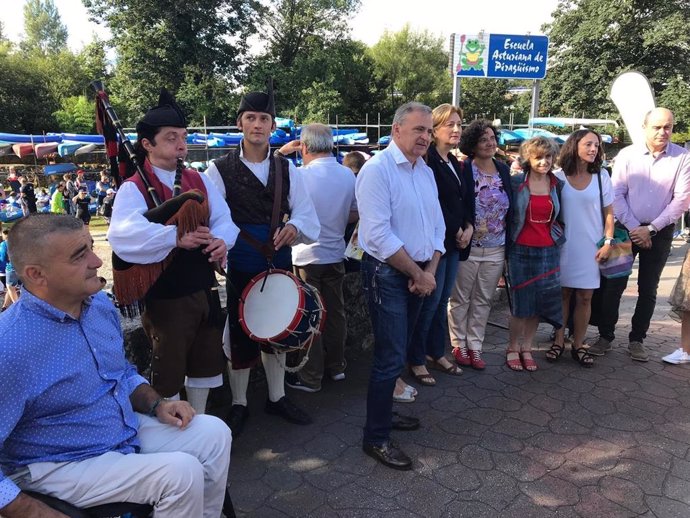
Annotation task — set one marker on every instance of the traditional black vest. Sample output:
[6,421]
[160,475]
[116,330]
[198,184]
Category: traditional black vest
[249,200]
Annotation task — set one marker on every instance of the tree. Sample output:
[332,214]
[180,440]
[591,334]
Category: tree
[93,60]
[413,66]
[76,115]
[155,41]
[45,32]
[592,41]
[26,102]
[296,23]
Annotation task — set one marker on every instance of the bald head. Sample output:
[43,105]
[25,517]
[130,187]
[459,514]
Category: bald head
[658,127]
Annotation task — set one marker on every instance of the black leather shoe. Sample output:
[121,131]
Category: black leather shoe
[288,411]
[389,455]
[238,415]
[404,423]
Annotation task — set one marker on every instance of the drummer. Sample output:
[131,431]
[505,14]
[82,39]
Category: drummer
[246,177]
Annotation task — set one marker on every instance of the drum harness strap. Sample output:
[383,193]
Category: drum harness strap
[267,249]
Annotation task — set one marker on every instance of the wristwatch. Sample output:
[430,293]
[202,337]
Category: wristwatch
[652,230]
[608,241]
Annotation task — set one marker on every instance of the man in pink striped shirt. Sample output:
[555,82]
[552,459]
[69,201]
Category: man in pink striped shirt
[652,190]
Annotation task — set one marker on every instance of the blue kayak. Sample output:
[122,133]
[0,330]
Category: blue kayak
[29,139]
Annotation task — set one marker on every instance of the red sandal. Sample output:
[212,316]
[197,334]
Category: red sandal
[513,360]
[528,362]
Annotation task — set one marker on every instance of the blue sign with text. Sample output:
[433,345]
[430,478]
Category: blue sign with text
[503,56]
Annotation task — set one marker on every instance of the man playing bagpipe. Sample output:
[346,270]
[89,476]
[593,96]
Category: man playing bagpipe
[175,261]
[247,177]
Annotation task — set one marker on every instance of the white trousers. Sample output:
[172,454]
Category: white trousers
[470,299]
[180,472]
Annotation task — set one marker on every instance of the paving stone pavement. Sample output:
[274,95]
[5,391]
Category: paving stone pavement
[566,441]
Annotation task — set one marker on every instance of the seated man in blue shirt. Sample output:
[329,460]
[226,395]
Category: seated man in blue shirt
[76,420]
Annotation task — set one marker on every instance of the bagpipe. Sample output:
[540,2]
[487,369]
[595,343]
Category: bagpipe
[187,210]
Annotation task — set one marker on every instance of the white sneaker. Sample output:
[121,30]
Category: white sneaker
[677,357]
[338,377]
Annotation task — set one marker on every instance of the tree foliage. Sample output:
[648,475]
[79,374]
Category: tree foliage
[318,70]
[173,43]
[295,25]
[45,32]
[414,66]
[592,41]
[27,106]
[76,115]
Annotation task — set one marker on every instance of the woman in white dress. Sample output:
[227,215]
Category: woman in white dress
[587,199]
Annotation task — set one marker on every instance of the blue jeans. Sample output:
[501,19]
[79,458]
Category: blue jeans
[429,337]
[394,312]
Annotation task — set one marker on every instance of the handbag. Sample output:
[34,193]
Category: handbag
[620,261]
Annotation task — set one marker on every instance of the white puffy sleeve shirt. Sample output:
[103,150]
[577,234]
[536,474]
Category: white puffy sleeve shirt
[398,207]
[136,240]
[302,213]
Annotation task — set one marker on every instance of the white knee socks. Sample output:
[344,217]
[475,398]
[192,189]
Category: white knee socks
[197,397]
[239,379]
[275,375]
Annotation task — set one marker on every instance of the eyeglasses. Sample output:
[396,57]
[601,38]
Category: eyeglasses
[531,218]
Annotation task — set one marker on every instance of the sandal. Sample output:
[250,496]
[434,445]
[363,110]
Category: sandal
[423,379]
[405,397]
[513,360]
[528,362]
[554,352]
[452,370]
[582,356]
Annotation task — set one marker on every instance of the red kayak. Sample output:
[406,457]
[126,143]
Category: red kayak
[45,148]
[23,149]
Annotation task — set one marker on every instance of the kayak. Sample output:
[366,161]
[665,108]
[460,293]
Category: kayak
[87,139]
[23,149]
[35,139]
[84,149]
[68,147]
[45,148]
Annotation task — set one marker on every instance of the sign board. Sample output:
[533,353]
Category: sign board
[499,56]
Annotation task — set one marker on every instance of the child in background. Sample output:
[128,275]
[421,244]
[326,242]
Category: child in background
[11,292]
[108,205]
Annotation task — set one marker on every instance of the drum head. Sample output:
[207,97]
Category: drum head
[270,312]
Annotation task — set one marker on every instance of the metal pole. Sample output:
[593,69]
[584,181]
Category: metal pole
[457,91]
[534,108]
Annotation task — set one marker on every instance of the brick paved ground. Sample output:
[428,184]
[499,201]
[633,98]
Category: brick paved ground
[609,441]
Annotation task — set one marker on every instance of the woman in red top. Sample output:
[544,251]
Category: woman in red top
[533,253]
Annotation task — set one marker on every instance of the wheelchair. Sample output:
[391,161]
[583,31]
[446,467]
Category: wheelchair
[113,510]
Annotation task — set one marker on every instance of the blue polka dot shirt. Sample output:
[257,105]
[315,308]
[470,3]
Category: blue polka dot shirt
[65,386]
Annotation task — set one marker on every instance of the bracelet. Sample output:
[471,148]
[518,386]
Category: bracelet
[154,406]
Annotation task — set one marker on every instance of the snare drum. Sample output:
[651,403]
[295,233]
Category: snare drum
[279,309]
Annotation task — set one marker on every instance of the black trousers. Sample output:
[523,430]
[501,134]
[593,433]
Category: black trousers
[607,299]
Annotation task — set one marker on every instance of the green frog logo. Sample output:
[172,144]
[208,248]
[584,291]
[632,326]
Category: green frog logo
[472,57]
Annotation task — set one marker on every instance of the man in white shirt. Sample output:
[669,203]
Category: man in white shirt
[401,231]
[246,177]
[331,188]
[182,316]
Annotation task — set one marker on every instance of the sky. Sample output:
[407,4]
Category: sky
[440,17]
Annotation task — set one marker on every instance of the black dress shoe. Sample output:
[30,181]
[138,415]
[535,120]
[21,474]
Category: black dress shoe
[404,423]
[288,411]
[389,455]
[238,415]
